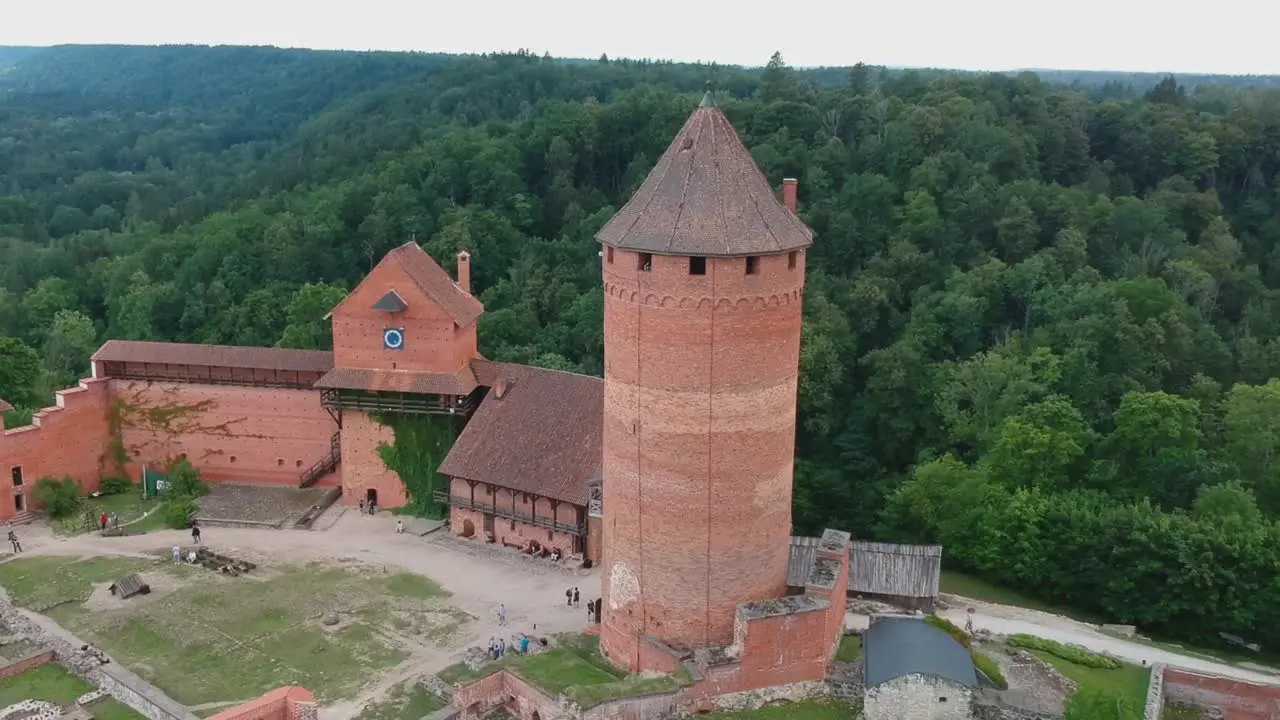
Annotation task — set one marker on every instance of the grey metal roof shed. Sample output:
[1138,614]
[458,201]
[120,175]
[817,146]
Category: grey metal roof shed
[896,647]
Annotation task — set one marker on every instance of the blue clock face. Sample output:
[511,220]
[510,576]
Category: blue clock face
[393,338]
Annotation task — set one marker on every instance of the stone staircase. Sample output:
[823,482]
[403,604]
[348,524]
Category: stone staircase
[26,517]
[324,465]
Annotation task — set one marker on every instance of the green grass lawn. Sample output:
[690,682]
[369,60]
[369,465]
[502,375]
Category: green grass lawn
[129,506]
[53,684]
[246,635]
[409,701]
[850,649]
[958,583]
[574,669]
[1127,684]
[812,710]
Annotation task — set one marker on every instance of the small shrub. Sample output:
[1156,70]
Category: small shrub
[988,667]
[115,486]
[1070,653]
[59,498]
[184,480]
[179,513]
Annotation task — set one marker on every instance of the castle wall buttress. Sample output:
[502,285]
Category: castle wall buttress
[230,433]
[70,439]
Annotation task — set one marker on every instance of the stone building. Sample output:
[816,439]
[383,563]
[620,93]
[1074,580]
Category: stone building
[914,671]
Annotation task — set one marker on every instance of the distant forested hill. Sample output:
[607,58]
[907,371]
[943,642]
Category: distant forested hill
[1042,323]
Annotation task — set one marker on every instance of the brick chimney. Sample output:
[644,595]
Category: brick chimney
[789,188]
[464,270]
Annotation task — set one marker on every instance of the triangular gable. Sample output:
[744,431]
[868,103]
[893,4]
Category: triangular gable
[431,279]
[391,303]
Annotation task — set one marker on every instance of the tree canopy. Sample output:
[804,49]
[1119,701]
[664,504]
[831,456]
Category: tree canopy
[1042,322]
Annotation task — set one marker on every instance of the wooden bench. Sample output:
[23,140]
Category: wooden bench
[129,586]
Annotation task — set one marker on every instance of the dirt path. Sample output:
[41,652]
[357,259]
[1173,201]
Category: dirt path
[478,581]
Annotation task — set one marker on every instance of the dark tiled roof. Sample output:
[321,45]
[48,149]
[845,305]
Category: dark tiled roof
[227,356]
[894,647]
[537,431]
[436,283]
[706,197]
[423,383]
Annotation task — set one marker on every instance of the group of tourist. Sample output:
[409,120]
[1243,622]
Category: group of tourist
[498,646]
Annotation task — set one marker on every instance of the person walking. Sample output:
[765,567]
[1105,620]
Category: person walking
[502,614]
[177,554]
[13,540]
[195,533]
[399,527]
[102,522]
[568,597]
[524,645]
[575,597]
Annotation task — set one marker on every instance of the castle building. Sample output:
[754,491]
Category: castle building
[703,279]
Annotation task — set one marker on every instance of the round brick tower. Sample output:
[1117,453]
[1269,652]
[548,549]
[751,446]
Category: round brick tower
[703,277]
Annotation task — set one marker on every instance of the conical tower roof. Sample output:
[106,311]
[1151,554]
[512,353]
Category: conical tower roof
[706,197]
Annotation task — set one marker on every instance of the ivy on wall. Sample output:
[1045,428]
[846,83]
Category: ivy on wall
[160,412]
[421,443]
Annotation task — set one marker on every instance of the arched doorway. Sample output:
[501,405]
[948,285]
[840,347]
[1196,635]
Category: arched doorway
[535,716]
[468,529]
[371,496]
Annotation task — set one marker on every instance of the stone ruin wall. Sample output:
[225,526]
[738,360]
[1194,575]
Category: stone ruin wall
[116,681]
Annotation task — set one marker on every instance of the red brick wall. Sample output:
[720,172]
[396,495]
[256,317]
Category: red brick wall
[362,465]
[432,342]
[26,663]
[230,433]
[776,650]
[279,704]
[506,531]
[69,439]
[502,688]
[1237,700]
[699,434]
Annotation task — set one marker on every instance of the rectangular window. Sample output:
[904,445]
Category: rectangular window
[17,476]
[697,266]
[753,265]
[608,255]
[644,262]
[791,260]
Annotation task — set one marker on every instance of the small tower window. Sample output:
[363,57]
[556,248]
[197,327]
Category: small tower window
[608,255]
[753,265]
[644,262]
[791,260]
[697,266]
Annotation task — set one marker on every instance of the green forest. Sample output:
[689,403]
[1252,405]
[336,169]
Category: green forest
[1042,323]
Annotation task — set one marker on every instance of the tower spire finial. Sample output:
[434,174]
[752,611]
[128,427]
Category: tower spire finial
[708,98]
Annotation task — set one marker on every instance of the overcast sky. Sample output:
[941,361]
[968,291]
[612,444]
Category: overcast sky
[1224,36]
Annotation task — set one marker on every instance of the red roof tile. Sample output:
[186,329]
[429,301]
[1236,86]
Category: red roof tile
[4,406]
[436,284]
[405,381]
[228,356]
[706,197]
[542,436]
